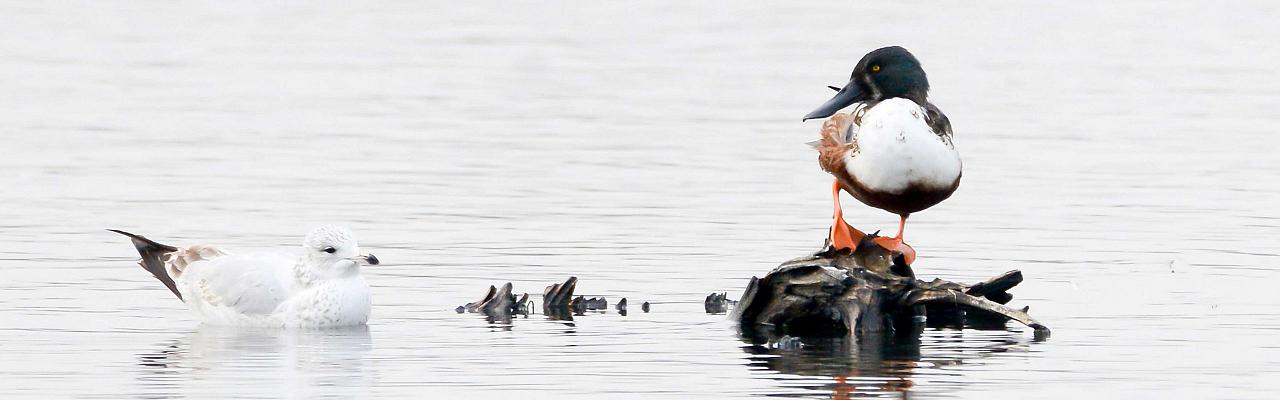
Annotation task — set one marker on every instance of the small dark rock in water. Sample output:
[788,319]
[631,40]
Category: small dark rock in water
[460,309]
[717,303]
[644,307]
[579,305]
[622,307]
[582,304]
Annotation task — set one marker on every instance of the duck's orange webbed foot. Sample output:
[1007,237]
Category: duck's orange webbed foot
[897,245]
[843,236]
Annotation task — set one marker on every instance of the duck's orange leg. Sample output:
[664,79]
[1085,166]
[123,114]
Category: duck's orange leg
[896,243]
[843,236]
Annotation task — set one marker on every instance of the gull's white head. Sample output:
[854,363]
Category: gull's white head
[332,252]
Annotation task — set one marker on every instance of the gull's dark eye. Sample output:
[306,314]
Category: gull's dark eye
[330,250]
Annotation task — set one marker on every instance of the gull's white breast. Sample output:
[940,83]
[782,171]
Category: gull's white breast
[896,149]
[334,302]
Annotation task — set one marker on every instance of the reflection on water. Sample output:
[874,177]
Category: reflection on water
[229,362]
[883,365]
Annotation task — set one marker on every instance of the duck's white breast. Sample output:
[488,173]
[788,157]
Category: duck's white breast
[897,149]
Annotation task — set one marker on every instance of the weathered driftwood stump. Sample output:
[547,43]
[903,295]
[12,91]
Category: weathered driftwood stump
[869,291]
[498,301]
[558,300]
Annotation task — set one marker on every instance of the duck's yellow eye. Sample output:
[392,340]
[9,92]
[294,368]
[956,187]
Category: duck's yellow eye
[875,68]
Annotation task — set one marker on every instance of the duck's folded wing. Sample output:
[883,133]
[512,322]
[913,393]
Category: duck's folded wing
[840,129]
[249,284]
[938,121]
[835,142]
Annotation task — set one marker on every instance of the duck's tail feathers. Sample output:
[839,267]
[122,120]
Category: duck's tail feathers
[153,258]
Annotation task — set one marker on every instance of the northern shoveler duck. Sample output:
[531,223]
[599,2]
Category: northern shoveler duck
[893,151]
[318,286]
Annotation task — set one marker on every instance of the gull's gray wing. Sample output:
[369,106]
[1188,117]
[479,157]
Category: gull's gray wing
[252,284]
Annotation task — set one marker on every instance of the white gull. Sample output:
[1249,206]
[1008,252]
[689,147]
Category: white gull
[321,287]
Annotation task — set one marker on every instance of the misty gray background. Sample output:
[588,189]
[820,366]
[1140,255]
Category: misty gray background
[1120,155]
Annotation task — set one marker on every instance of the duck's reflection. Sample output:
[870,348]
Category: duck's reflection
[870,366]
[306,363]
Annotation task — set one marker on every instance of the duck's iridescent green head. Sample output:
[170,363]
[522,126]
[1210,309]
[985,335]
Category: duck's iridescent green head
[881,74]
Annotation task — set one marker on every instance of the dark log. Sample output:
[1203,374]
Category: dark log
[558,302]
[498,301]
[595,303]
[559,295]
[868,291]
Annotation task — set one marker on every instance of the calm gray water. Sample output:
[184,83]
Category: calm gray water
[1121,156]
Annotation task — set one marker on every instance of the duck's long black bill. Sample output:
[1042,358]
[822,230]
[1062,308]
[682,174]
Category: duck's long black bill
[844,97]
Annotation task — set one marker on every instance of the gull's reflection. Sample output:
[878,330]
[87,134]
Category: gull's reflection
[869,366]
[304,363]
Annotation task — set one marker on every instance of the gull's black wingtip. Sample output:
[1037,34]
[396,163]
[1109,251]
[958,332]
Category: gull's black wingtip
[144,241]
[152,260]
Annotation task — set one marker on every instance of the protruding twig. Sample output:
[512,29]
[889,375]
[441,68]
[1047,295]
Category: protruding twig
[996,289]
[981,304]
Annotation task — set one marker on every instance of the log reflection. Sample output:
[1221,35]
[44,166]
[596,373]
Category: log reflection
[884,365]
[873,364]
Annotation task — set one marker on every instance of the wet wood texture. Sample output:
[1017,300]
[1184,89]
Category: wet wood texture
[869,291]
